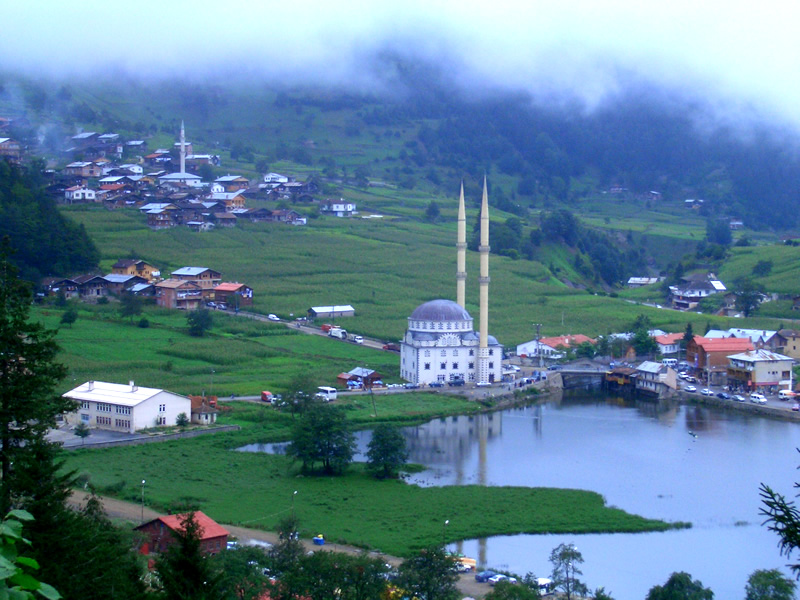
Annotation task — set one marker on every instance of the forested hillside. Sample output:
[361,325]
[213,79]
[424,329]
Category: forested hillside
[43,241]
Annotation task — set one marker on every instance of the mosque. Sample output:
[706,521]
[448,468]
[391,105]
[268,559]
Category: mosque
[440,344]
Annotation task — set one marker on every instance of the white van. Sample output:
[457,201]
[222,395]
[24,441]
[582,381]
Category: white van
[758,398]
[786,395]
[328,394]
[670,362]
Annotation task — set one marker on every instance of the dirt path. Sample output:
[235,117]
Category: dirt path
[129,511]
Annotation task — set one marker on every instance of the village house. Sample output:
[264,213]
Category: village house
[203,410]
[789,343]
[552,347]
[339,208]
[91,287]
[162,218]
[359,378]
[207,279]
[759,370]
[117,284]
[710,356]
[176,293]
[127,408]
[635,282]
[231,200]
[692,289]
[84,169]
[234,294]
[656,379]
[78,193]
[669,343]
[10,150]
[224,219]
[160,533]
[276,178]
[233,183]
[285,215]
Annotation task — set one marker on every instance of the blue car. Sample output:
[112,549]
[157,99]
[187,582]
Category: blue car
[484,576]
[436,384]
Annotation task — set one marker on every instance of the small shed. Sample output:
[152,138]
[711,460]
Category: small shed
[331,312]
[160,532]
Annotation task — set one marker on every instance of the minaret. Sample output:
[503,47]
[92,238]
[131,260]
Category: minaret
[183,150]
[461,252]
[483,348]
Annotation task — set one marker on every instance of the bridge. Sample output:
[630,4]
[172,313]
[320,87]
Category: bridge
[579,378]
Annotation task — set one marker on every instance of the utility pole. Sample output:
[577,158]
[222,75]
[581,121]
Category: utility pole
[538,346]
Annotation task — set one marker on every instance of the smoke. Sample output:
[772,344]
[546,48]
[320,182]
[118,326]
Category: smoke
[740,57]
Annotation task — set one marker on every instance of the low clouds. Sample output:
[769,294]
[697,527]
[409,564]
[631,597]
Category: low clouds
[738,55]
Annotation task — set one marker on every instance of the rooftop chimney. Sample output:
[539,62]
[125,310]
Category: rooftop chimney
[134,387]
[91,385]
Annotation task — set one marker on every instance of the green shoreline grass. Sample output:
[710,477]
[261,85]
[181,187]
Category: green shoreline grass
[256,489]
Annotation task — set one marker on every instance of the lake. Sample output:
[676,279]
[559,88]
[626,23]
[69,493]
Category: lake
[679,463]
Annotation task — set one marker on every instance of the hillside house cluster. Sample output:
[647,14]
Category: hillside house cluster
[187,288]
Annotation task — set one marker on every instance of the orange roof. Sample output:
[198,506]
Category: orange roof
[723,344]
[669,338]
[229,287]
[210,527]
[111,187]
[566,340]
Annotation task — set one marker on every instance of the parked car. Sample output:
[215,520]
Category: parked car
[436,384]
[724,396]
[392,347]
[483,384]
[690,388]
[455,382]
[758,398]
[411,386]
[706,392]
[272,317]
[500,577]
[357,339]
[795,407]
[738,398]
[484,576]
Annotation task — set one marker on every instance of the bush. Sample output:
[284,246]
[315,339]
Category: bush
[144,323]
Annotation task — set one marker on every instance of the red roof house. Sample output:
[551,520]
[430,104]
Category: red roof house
[214,537]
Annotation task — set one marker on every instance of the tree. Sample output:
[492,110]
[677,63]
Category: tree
[748,296]
[323,435]
[130,305]
[16,581]
[783,518]
[184,570]
[182,420]
[82,431]
[387,451]
[28,376]
[200,321]
[565,559]
[769,584]
[69,317]
[688,336]
[430,575]
[284,562]
[242,572]
[680,586]
[601,594]
[432,212]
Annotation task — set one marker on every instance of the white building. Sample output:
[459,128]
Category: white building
[440,345]
[125,408]
[339,208]
[655,378]
[79,194]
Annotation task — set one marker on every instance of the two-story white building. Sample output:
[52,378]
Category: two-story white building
[339,208]
[654,378]
[125,408]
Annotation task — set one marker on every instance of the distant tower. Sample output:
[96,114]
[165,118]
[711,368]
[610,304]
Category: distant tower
[461,251]
[183,150]
[483,348]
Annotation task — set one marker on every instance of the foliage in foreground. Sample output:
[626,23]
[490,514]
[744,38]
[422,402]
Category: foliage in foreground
[769,584]
[16,580]
[680,586]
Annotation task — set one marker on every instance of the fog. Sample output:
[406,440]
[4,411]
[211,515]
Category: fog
[741,57]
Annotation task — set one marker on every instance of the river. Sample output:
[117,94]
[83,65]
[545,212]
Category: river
[684,463]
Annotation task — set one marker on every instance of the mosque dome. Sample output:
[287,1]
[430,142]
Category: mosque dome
[440,310]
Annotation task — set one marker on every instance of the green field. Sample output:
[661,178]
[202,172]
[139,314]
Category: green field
[256,490]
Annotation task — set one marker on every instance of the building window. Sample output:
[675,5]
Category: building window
[84,418]
[491,365]
[85,405]
[427,366]
[442,366]
[472,352]
[449,325]
[455,352]
[162,408]
[427,353]
[472,365]
[441,325]
[491,352]
[455,366]
[444,352]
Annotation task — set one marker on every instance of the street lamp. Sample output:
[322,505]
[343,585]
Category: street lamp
[444,527]
[293,495]
[143,482]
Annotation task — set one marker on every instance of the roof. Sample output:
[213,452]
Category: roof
[210,528]
[333,309]
[113,393]
[176,283]
[753,334]
[179,176]
[228,178]
[361,372]
[440,310]
[190,271]
[669,338]
[649,366]
[723,344]
[117,278]
[567,340]
[760,356]
[229,287]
